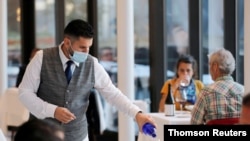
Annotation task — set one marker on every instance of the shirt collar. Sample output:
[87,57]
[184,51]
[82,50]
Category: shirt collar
[64,59]
[224,78]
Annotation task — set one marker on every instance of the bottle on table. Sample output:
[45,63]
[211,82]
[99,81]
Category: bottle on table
[149,129]
[169,103]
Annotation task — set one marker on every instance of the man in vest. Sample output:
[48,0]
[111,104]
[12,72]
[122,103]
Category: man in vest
[50,94]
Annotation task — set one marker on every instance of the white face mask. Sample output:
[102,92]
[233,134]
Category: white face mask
[78,56]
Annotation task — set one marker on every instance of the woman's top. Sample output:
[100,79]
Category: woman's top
[193,89]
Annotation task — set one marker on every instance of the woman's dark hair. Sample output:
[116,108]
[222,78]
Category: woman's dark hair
[79,28]
[38,130]
[186,58]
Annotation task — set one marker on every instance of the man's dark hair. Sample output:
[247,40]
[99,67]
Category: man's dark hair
[38,130]
[79,28]
[246,100]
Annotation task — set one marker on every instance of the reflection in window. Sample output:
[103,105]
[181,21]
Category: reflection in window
[45,23]
[14,41]
[75,9]
[177,32]
[212,32]
[107,38]
[142,72]
[107,23]
[213,19]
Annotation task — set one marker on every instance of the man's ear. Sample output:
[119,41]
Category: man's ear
[67,41]
[216,67]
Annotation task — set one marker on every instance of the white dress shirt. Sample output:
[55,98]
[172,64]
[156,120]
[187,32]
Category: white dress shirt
[42,109]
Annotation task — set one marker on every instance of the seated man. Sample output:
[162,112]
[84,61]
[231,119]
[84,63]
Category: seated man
[223,98]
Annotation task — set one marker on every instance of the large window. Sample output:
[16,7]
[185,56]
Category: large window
[45,23]
[75,9]
[14,41]
[177,32]
[107,41]
[107,38]
[212,32]
[141,27]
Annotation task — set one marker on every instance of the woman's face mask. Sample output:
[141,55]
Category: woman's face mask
[77,55]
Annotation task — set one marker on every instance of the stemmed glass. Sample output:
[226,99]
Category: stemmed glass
[181,96]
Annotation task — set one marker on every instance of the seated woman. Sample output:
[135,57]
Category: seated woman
[185,72]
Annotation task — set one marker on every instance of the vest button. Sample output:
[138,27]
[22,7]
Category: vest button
[68,91]
[67,102]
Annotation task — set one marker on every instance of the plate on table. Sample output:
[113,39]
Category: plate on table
[189,107]
[182,114]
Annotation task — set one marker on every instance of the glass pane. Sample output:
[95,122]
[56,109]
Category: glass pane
[107,38]
[240,56]
[212,32]
[177,32]
[45,23]
[75,9]
[107,54]
[14,41]
[107,43]
[142,71]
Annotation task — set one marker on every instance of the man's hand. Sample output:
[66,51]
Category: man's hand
[64,115]
[142,118]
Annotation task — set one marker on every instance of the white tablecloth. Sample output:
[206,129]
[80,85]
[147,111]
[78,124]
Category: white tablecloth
[161,120]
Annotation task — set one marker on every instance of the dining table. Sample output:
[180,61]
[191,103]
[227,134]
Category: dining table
[179,118]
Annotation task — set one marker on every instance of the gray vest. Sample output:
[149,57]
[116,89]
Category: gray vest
[74,96]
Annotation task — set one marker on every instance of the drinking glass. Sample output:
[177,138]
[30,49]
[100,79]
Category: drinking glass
[181,98]
[184,81]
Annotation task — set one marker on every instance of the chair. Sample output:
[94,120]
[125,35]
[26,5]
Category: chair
[12,112]
[95,116]
[224,121]
[97,120]
[2,137]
